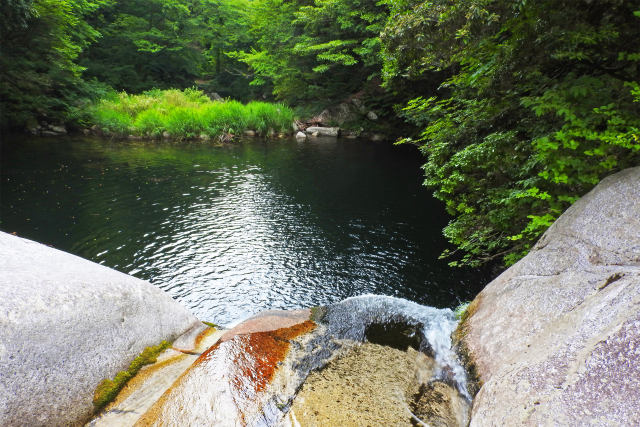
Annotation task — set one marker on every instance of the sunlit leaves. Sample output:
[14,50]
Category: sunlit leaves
[541,103]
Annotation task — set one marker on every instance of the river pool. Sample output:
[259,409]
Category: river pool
[230,230]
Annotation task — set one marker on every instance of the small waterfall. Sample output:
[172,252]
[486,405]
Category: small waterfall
[351,318]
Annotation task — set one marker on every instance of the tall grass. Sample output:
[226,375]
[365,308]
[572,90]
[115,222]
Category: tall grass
[186,114]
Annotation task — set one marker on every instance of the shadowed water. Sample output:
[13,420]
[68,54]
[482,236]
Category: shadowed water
[232,230]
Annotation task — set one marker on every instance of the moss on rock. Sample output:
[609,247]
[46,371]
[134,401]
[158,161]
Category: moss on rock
[108,389]
[211,325]
[458,339]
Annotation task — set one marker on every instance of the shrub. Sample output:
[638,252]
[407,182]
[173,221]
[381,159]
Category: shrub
[150,123]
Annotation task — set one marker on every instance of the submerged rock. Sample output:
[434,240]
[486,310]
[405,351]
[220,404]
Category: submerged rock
[66,324]
[377,385]
[555,338]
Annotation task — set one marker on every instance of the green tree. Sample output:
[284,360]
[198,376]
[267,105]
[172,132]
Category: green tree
[223,29]
[39,43]
[537,104]
[145,44]
[310,51]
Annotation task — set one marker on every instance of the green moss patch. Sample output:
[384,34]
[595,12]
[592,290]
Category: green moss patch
[464,312]
[108,389]
[461,310]
[211,325]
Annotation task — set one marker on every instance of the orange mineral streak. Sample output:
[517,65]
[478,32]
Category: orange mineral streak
[228,381]
[202,335]
[255,357]
[263,351]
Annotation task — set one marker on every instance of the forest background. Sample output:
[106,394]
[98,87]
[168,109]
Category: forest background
[519,106]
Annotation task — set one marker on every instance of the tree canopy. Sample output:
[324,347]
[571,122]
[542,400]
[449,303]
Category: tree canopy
[540,102]
[519,106]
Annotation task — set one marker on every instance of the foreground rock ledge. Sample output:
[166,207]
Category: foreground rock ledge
[369,360]
[556,338]
[66,324]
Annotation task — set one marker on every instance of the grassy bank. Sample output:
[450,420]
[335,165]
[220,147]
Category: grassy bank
[185,114]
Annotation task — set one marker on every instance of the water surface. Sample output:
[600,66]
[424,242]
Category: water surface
[230,230]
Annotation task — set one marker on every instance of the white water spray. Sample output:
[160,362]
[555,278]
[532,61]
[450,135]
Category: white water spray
[437,325]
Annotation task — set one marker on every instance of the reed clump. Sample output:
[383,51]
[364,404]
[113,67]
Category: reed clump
[186,114]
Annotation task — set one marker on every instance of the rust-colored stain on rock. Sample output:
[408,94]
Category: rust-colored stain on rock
[228,380]
[256,356]
[270,320]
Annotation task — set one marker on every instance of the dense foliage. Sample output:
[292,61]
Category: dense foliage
[148,44]
[519,106]
[39,43]
[318,50]
[540,102]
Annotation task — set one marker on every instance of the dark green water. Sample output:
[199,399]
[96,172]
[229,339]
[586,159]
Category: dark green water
[235,229]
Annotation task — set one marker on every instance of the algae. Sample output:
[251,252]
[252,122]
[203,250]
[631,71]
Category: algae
[461,310]
[458,338]
[211,325]
[108,389]
[318,313]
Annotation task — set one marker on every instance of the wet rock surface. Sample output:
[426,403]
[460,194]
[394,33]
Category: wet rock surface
[144,390]
[66,324]
[439,405]
[373,385]
[253,374]
[227,385]
[555,338]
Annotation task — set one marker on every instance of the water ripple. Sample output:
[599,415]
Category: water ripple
[233,230]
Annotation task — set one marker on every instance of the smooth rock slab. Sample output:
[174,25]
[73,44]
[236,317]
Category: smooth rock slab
[556,338]
[66,324]
[144,390]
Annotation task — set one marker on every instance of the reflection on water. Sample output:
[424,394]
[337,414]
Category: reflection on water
[232,230]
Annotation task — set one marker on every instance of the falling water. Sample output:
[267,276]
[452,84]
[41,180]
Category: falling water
[349,319]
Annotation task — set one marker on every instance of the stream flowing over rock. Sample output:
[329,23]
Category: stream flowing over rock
[66,324]
[555,339]
[397,355]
